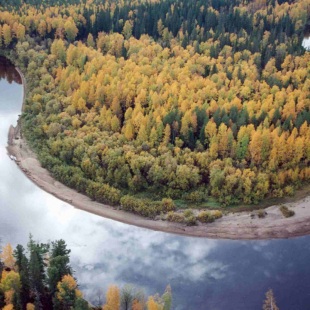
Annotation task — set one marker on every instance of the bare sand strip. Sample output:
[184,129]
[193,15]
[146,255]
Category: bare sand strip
[231,226]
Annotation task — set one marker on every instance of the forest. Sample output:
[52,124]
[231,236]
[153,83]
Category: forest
[41,277]
[143,104]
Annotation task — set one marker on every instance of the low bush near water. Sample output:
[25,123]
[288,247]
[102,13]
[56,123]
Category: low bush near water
[175,217]
[191,220]
[261,213]
[286,211]
[209,216]
[146,207]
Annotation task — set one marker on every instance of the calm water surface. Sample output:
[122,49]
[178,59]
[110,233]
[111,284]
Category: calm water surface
[203,273]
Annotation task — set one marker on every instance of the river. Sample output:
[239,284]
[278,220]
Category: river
[203,273]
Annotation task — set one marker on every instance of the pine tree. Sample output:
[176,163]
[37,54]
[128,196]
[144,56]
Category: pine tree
[22,264]
[37,271]
[59,264]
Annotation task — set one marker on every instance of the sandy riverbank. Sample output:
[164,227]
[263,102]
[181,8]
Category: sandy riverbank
[232,226]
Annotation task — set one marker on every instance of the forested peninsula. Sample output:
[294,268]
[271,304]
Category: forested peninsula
[155,106]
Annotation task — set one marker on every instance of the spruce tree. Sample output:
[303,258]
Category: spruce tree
[37,273]
[59,264]
[22,264]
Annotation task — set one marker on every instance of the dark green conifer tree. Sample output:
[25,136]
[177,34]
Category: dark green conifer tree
[59,264]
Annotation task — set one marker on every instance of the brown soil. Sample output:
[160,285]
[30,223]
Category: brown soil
[241,225]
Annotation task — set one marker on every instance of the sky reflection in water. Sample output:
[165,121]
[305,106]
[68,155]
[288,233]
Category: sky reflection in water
[203,273]
[306,42]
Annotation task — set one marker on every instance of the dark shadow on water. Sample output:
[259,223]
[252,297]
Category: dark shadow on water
[8,71]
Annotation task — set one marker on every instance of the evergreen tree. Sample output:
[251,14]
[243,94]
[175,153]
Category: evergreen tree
[22,264]
[59,264]
[276,116]
[37,273]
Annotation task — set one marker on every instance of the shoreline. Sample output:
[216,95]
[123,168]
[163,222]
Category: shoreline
[235,226]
